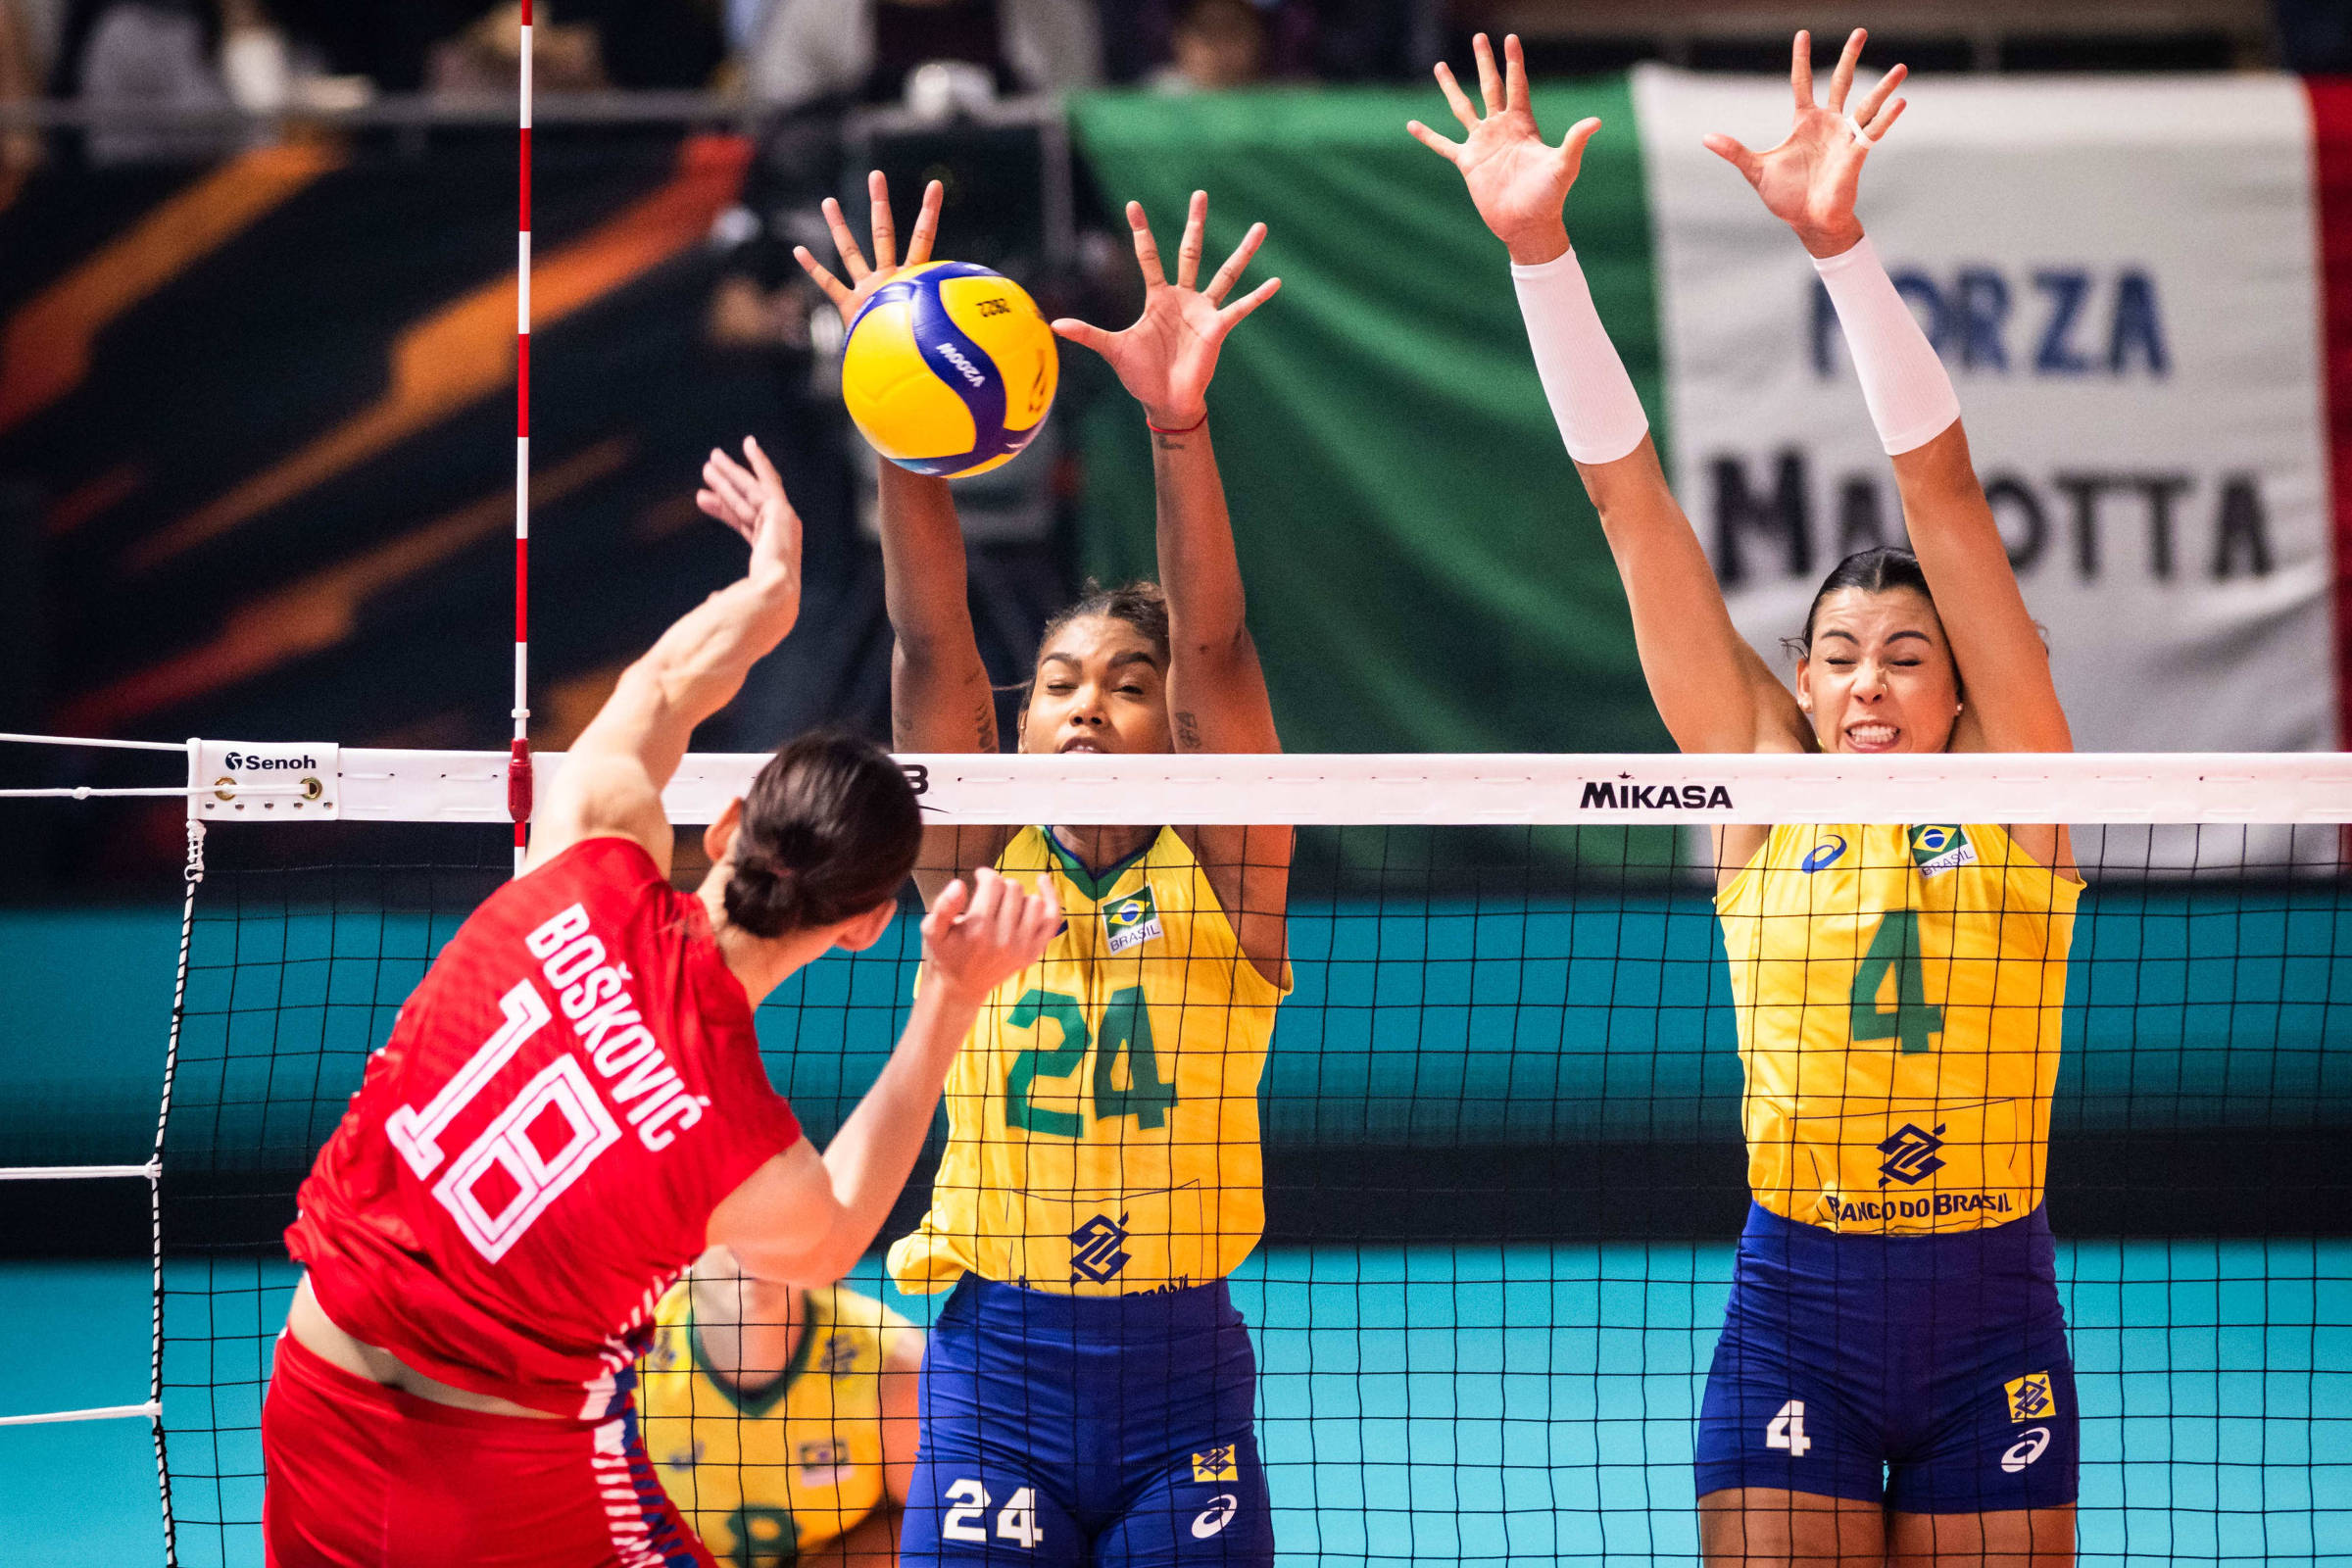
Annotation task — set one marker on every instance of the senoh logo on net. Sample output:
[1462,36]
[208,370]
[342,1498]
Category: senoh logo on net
[264,762]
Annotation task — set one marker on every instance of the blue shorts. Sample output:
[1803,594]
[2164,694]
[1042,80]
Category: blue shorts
[1928,1374]
[1063,1429]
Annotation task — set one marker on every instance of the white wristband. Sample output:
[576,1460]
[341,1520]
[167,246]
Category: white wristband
[1592,397]
[1910,395]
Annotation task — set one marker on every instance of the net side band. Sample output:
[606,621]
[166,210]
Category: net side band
[1342,789]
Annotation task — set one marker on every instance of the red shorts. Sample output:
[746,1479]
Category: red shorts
[362,1476]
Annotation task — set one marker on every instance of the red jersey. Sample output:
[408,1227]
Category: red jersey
[534,1155]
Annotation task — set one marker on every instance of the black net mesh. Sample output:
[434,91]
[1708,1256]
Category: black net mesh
[1503,1178]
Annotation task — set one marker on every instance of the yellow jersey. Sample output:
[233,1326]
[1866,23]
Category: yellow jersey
[1103,1131]
[763,1477]
[1898,992]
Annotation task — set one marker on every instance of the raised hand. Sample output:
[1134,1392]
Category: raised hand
[849,298]
[1808,181]
[752,501]
[1168,356]
[1517,183]
[982,933]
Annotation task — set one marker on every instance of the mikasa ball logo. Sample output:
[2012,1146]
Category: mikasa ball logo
[955,356]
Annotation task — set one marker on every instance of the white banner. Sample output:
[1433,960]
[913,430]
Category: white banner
[2121,278]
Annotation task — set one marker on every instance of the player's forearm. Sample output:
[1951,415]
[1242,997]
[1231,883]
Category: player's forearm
[1692,657]
[941,699]
[870,1158]
[1199,569]
[699,663]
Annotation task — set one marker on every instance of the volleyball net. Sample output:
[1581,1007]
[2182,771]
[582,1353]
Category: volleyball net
[1501,1112]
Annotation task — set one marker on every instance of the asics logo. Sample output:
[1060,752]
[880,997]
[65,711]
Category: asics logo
[2022,1452]
[1213,1518]
[1823,855]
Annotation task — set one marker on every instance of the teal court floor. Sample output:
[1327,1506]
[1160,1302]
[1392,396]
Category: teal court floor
[1507,1405]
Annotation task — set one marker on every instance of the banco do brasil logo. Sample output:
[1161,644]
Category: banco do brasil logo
[1098,1250]
[1910,1155]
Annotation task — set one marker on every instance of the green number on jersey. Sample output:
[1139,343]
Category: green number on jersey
[1127,1032]
[1034,1008]
[764,1538]
[1896,947]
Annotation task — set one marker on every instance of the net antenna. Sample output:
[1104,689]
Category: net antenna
[518,750]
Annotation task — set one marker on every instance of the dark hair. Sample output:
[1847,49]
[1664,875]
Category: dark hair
[1139,604]
[1874,571]
[830,830]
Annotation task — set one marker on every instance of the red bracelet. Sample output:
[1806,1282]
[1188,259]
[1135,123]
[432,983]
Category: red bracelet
[1185,430]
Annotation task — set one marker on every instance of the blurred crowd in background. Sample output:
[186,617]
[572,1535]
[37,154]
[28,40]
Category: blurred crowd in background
[272,56]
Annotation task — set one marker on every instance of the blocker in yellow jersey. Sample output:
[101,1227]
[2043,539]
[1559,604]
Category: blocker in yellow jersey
[765,1474]
[1107,1103]
[1899,993]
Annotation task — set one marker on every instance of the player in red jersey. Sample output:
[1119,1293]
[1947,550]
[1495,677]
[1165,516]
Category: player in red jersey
[571,1107]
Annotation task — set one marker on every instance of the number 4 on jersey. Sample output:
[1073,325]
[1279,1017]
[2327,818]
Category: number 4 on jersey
[1788,1430]
[1894,947]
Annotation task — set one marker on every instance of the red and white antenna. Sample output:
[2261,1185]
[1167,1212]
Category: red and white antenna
[518,754]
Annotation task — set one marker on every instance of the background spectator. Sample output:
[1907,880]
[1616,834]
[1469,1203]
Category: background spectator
[862,51]
[1218,44]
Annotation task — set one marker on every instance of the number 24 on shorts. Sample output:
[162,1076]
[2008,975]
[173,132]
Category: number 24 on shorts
[1016,1521]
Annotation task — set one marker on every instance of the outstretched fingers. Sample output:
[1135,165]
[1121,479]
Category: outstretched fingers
[1800,70]
[1084,334]
[884,227]
[1232,316]
[1515,72]
[1877,126]
[1188,249]
[926,224]
[835,289]
[1147,249]
[1572,145]
[1444,146]
[1456,99]
[1842,80]
[1231,273]
[1490,80]
[1873,100]
[1735,154]
[853,260]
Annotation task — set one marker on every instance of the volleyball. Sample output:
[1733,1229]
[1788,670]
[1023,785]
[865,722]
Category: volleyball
[950,369]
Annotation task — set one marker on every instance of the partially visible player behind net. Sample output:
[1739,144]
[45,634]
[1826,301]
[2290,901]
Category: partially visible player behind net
[572,1106]
[1893,1382]
[1088,1394]
[782,1419]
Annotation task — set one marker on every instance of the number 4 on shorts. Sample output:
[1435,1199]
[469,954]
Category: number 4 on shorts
[1788,1430]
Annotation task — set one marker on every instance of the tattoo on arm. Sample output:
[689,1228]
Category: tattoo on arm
[1166,443]
[984,724]
[1188,732]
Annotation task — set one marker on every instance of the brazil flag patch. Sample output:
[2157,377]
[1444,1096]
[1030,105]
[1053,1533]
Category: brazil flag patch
[1938,847]
[1132,921]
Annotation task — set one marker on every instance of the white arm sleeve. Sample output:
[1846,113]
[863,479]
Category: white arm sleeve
[1599,414]
[1910,396]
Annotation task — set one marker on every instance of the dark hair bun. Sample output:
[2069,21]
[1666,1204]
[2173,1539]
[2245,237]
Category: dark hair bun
[830,830]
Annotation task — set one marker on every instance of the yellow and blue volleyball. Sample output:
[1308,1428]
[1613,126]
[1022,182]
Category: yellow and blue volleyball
[950,369]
